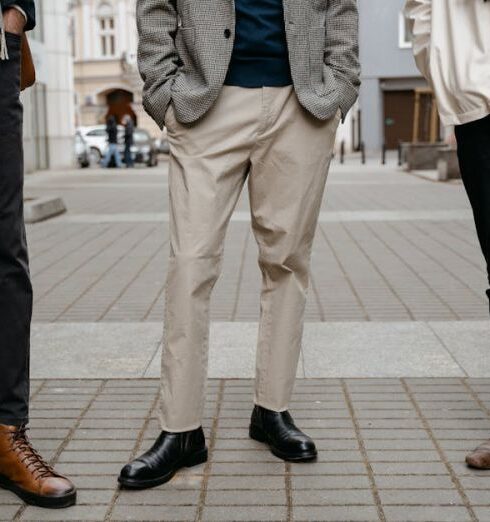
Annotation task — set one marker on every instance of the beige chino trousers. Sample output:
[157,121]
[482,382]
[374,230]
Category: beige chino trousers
[264,135]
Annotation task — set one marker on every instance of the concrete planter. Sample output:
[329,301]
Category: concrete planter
[448,164]
[40,209]
[422,156]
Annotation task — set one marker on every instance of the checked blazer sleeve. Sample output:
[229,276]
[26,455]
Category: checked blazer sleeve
[158,58]
[342,42]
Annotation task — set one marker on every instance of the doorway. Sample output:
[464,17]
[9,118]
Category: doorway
[119,103]
[398,117]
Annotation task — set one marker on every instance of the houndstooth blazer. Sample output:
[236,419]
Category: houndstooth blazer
[185,47]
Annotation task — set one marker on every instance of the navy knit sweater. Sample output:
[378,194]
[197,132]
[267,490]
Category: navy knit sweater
[260,53]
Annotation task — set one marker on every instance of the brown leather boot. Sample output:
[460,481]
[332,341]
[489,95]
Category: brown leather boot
[24,472]
[480,457]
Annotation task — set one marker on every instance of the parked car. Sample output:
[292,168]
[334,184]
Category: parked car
[162,143]
[144,149]
[82,151]
[96,137]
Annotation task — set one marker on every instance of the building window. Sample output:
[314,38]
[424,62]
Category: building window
[107,31]
[404,33]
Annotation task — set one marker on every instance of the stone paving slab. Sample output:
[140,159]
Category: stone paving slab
[397,293]
[385,452]
[244,217]
[409,349]
[350,187]
[361,271]
[390,247]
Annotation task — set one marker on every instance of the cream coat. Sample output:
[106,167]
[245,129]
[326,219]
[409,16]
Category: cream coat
[451,44]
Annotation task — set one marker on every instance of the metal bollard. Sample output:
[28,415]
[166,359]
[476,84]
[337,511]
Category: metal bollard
[383,154]
[400,160]
[363,153]
[342,152]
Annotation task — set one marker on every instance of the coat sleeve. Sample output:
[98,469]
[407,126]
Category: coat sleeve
[158,59]
[342,49]
[419,15]
[27,6]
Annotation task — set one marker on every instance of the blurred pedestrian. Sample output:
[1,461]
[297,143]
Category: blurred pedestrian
[128,140]
[451,43]
[112,153]
[22,469]
[262,92]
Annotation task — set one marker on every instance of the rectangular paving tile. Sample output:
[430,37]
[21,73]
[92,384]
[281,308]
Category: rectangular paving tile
[158,513]
[336,513]
[243,481]
[426,514]
[244,513]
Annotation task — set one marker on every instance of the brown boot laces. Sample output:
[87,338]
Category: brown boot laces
[34,462]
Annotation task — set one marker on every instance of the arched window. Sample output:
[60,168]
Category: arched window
[107,30]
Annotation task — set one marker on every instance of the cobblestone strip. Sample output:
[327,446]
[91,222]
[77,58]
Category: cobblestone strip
[362,449]
[134,454]
[155,301]
[376,269]
[47,245]
[435,260]
[54,459]
[447,245]
[345,274]
[79,245]
[211,445]
[476,397]
[318,301]
[408,266]
[84,262]
[41,228]
[149,259]
[96,280]
[454,478]
[465,232]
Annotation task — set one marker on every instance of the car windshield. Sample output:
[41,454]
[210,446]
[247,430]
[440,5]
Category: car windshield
[97,132]
[141,137]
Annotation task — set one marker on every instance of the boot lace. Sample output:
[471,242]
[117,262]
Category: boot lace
[28,455]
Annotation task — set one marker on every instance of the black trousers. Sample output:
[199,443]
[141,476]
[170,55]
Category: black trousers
[15,284]
[474,159]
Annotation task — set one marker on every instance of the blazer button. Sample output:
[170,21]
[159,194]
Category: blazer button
[227,33]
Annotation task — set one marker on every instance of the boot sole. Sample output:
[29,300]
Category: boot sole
[190,461]
[37,500]
[305,456]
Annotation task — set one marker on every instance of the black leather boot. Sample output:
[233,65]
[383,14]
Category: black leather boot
[171,452]
[285,440]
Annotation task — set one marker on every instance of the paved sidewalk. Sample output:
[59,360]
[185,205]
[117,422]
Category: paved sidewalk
[390,450]
[390,247]
[346,349]
[394,375]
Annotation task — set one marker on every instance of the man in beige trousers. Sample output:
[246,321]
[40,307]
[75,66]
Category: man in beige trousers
[451,42]
[250,90]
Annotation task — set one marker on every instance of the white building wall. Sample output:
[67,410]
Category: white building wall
[60,89]
[49,106]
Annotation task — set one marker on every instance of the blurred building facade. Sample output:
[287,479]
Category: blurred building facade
[391,82]
[104,51]
[49,105]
